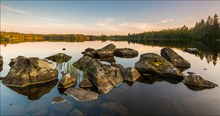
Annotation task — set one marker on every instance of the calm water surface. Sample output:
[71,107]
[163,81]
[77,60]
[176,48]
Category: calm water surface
[145,96]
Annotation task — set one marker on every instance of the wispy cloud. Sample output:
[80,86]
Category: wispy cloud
[166,20]
[47,19]
[104,21]
[11,9]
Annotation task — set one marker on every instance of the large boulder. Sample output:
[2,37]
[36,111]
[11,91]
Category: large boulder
[59,58]
[1,63]
[105,77]
[82,62]
[67,80]
[125,52]
[174,58]
[129,74]
[14,60]
[29,71]
[151,63]
[106,51]
[81,94]
[196,82]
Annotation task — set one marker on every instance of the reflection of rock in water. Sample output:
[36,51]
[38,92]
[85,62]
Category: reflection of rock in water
[197,83]
[152,79]
[195,88]
[1,63]
[34,92]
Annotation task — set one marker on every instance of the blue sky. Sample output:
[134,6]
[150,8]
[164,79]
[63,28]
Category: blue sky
[102,17]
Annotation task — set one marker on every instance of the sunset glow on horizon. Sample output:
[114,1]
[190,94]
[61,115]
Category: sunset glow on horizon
[102,17]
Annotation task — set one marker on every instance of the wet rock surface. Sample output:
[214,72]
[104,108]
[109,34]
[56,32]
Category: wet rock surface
[85,83]
[151,63]
[125,52]
[82,62]
[196,82]
[35,92]
[106,51]
[59,58]
[129,74]
[67,80]
[105,77]
[29,71]
[113,109]
[14,60]
[174,58]
[81,94]
[58,99]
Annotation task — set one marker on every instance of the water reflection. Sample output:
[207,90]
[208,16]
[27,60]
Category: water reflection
[149,79]
[35,92]
[210,50]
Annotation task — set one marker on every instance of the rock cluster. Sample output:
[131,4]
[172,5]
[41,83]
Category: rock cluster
[32,71]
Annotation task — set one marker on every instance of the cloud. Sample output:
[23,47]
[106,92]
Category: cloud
[47,19]
[104,21]
[166,20]
[8,8]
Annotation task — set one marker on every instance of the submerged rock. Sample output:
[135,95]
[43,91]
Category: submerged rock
[82,62]
[126,53]
[151,63]
[174,58]
[1,63]
[129,74]
[81,94]
[58,99]
[35,92]
[196,82]
[191,50]
[59,58]
[105,77]
[67,80]
[76,112]
[14,60]
[85,83]
[106,51]
[29,71]
[113,109]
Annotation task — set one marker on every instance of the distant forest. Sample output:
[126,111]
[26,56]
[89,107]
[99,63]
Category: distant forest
[204,30]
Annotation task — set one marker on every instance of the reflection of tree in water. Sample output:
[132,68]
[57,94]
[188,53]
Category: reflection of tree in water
[67,67]
[210,50]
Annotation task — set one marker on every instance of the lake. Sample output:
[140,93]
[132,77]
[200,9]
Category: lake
[143,97]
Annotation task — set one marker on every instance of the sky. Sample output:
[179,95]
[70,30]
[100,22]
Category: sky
[102,17]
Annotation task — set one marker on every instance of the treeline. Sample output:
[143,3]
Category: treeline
[203,30]
[14,37]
